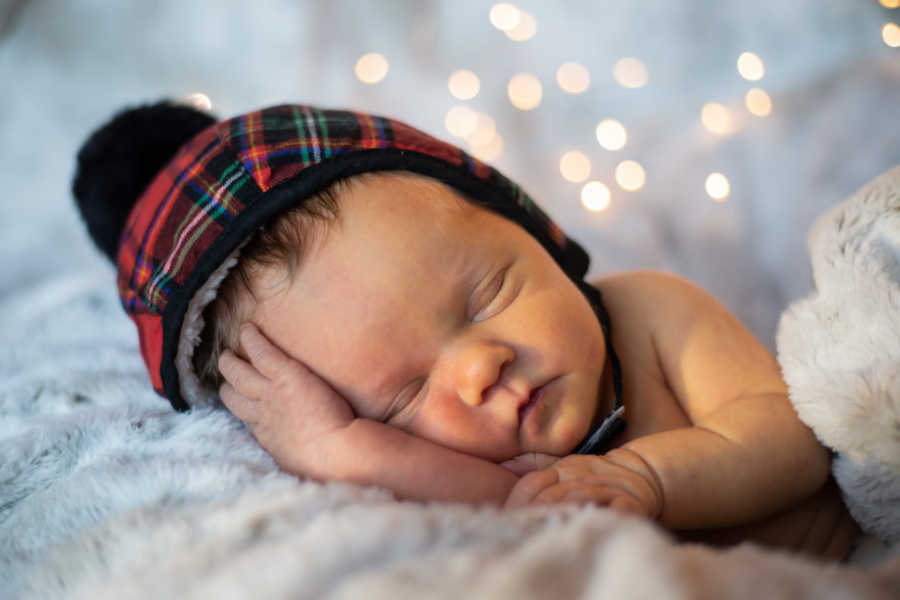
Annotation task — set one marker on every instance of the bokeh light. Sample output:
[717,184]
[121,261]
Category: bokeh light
[485,131]
[890,3]
[575,166]
[461,121]
[524,91]
[890,33]
[630,175]
[758,102]
[199,100]
[718,187]
[573,78]
[716,118]
[371,67]
[464,84]
[595,196]
[525,30]
[611,134]
[630,73]
[490,151]
[751,66]
[504,16]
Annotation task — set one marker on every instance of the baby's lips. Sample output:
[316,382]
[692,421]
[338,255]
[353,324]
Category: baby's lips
[535,396]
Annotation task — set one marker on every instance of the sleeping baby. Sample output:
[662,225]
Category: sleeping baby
[381,308]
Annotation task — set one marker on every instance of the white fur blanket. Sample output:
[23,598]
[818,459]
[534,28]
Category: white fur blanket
[106,493]
[839,350]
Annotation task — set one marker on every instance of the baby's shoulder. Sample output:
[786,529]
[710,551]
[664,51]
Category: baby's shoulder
[639,280]
[642,309]
[653,300]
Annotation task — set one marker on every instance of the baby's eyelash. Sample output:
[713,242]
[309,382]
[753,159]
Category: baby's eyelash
[490,294]
[404,397]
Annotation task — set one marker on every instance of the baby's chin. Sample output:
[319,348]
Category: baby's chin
[564,437]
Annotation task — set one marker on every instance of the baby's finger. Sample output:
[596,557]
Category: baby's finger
[529,486]
[613,498]
[244,408]
[264,355]
[241,374]
[628,505]
[587,494]
[531,461]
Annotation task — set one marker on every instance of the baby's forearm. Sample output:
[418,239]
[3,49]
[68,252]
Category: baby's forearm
[744,464]
[372,453]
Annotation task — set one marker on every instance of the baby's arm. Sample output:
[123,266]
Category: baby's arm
[747,454]
[745,457]
[311,431]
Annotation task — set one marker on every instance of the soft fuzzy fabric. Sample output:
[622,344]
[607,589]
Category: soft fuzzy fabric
[840,350]
[105,492]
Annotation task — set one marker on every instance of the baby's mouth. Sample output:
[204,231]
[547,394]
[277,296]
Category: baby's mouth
[533,398]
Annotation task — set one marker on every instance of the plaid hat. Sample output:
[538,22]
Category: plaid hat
[184,231]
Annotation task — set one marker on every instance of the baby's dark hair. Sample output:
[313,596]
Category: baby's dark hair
[279,243]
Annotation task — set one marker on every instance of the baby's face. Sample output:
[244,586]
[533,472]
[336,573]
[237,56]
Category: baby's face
[441,319]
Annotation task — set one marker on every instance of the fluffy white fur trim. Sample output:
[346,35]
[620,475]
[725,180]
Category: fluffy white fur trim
[193,392]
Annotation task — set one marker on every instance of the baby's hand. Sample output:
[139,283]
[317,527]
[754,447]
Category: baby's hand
[286,405]
[620,480]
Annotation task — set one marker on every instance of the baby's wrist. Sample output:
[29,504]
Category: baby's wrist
[629,459]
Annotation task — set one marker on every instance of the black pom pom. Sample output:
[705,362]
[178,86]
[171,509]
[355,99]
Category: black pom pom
[122,157]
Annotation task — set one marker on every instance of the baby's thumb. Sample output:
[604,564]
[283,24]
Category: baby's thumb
[528,462]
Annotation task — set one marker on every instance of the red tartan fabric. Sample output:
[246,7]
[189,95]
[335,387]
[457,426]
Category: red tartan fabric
[209,185]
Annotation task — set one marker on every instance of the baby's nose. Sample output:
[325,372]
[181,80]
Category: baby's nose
[479,367]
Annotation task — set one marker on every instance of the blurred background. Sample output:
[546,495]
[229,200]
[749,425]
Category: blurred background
[694,136]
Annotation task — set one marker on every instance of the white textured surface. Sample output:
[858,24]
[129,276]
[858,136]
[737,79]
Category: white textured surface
[104,492]
[107,493]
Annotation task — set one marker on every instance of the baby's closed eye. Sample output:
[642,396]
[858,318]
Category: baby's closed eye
[494,297]
[403,399]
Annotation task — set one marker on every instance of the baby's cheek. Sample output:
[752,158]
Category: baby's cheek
[562,428]
[588,342]
[566,436]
